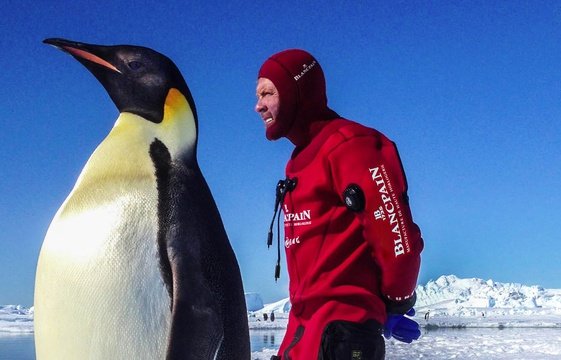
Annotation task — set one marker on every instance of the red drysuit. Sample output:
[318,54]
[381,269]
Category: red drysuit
[345,264]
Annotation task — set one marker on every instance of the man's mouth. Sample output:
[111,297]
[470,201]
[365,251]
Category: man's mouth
[268,121]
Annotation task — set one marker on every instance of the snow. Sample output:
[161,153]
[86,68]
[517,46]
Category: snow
[479,293]
[253,301]
[453,302]
[466,318]
[282,306]
[15,319]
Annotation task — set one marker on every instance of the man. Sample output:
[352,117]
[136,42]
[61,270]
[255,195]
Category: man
[352,248]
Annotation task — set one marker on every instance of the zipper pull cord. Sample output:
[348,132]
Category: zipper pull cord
[278,267]
[287,185]
[278,200]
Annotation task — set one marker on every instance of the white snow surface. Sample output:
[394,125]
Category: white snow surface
[454,302]
[452,292]
[461,319]
[15,319]
[485,344]
[467,319]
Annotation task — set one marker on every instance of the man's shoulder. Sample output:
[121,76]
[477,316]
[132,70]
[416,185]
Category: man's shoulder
[348,130]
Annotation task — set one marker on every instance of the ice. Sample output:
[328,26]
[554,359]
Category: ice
[461,319]
[253,301]
[15,319]
[469,318]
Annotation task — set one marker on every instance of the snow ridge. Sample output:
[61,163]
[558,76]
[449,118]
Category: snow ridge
[448,301]
[454,294]
[16,319]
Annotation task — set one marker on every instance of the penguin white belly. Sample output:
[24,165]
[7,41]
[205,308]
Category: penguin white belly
[99,281]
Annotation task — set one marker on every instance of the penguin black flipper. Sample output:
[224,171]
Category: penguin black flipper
[208,318]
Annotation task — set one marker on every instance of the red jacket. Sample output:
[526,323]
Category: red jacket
[345,264]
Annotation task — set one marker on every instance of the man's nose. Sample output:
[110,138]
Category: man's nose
[259,107]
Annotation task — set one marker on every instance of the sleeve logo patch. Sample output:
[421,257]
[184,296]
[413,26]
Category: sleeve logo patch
[390,209]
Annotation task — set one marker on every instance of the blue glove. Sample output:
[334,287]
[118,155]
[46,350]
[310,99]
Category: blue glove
[402,328]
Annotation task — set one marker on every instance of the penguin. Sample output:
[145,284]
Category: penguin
[136,263]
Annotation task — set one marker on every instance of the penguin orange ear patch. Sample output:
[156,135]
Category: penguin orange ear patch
[175,101]
[174,98]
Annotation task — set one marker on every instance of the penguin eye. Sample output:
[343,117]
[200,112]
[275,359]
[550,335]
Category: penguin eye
[135,65]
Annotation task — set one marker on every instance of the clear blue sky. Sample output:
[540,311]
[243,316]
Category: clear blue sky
[470,91]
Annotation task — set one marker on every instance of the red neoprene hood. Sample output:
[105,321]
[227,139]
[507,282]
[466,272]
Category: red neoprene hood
[300,82]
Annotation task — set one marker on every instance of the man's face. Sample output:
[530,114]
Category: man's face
[268,107]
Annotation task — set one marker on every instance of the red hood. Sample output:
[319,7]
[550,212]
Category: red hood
[300,82]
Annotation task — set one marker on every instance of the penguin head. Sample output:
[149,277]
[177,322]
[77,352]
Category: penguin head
[137,79]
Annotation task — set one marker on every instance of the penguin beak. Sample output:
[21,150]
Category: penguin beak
[82,52]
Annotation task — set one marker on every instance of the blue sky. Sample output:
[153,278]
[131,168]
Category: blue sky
[470,91]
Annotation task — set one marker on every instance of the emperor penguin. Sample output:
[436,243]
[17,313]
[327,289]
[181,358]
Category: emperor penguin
[136,263]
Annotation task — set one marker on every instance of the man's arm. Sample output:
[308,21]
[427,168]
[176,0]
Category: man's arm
[371,164]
